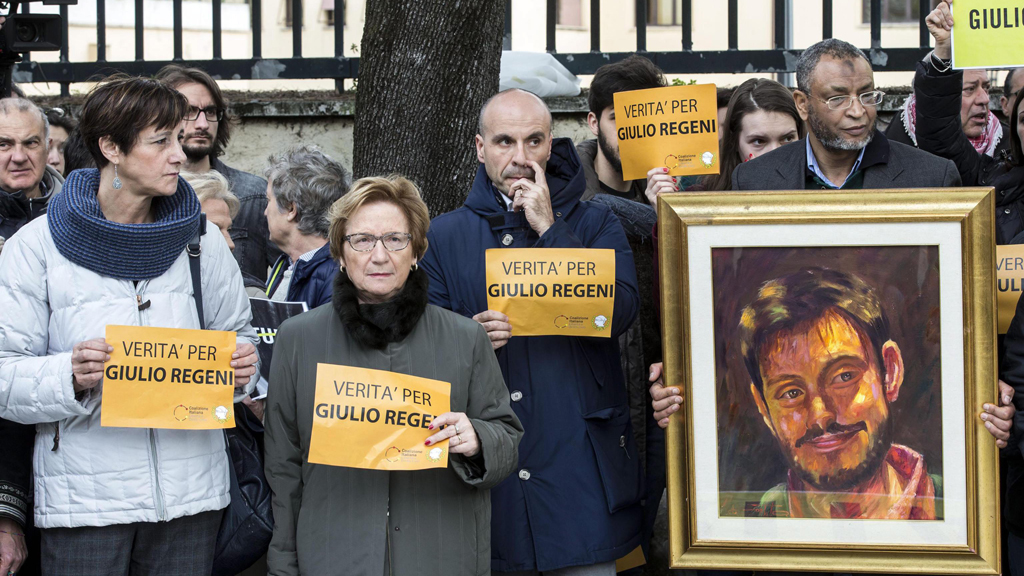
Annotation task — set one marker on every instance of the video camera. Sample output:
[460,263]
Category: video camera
[27,33]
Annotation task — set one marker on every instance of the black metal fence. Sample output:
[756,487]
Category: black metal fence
[686,60]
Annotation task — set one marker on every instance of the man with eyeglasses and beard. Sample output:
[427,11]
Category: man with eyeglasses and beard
[207,131]
[836,97]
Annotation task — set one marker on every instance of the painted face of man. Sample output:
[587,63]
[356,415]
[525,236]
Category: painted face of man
[826,400]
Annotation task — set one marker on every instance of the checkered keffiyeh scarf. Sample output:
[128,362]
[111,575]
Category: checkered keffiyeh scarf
[984,144]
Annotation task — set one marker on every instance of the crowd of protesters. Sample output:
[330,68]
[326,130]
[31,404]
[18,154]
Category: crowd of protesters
[557,442]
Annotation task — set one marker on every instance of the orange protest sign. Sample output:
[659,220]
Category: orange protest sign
[376,419]
[1009,282]
[675,127]
[553,291]
[168,378]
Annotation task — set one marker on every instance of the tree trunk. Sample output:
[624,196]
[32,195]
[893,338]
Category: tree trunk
[426,68]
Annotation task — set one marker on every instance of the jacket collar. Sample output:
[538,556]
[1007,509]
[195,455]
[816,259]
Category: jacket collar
[587,151]
[564,175]
[302,269]
[878,152]
[50,183]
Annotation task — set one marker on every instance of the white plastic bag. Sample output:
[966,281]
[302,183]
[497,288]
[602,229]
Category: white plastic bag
[537,72]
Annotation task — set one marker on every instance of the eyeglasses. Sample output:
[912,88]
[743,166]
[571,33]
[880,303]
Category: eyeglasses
[873,98]
[393,241]
[212,113]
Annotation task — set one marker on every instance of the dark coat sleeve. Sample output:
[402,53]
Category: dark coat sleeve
[496,425]
[438,288]
[283,450]
[1013,370]
[16,470]
[610,235]
[939,129]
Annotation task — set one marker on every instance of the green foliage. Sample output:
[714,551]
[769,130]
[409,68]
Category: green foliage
[680,82]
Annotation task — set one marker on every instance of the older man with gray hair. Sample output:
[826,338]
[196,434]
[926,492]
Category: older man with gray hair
[26,182]
[302,184]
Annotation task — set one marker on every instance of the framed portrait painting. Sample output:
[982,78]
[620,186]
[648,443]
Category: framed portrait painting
[834,350]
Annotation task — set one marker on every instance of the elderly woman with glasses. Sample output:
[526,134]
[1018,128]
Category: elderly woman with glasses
[341,520]
[302,183]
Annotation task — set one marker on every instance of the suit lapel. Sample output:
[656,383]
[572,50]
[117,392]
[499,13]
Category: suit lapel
[791,171]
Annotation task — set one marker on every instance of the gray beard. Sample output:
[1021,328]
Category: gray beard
[833,141]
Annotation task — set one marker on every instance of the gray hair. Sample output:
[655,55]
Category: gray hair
[309,180]
[15,104]
[212,185]
[810,57]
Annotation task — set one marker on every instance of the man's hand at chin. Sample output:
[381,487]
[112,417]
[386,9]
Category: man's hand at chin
[533,198]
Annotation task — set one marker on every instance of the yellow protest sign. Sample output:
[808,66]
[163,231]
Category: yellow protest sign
[675,127]
[553,291]
[987,33]
[1009,282]
[168,378]
[376,419]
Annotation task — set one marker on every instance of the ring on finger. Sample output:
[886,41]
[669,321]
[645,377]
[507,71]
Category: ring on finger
[460,439]
[456,429]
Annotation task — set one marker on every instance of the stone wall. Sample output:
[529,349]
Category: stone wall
[267,125]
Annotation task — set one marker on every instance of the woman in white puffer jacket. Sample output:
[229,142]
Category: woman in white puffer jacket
[112,251]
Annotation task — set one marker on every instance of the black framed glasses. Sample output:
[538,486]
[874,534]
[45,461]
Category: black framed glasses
[212,113]
[867,99]
[393,241]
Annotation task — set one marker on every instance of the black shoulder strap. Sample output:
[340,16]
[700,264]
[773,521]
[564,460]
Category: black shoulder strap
[194,249]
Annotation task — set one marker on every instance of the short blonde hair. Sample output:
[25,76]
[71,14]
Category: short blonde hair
[393,189]
[212,185]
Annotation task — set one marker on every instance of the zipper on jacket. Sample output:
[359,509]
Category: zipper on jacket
[161,514]
[56,437]
[387,530]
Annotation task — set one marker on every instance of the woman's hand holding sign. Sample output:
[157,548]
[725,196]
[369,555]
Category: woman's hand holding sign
[533,198]
[459,432]
[658,182]
[243,361]
[87,360]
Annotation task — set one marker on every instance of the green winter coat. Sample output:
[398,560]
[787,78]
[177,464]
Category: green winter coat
[334,520]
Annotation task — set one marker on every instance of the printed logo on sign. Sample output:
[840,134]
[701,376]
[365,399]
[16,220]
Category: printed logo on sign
[671,161]
[561,321]
[392,454]
[435,454]
[198,413]
[181,412]
[599,321]
[707,159]
[221,413]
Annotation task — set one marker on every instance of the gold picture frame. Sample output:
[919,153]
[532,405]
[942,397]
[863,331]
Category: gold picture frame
[683,217]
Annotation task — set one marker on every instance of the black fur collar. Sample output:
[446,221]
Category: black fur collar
[375,325]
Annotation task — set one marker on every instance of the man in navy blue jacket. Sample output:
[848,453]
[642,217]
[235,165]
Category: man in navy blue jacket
[574,502]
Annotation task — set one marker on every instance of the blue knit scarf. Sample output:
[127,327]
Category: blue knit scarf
[123,251]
